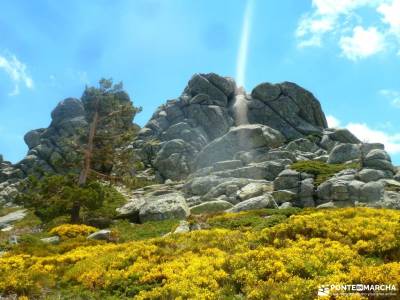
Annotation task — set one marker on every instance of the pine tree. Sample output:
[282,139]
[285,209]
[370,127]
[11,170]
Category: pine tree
[110,115]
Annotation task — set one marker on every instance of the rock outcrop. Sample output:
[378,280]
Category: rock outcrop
[199,139]
[216,147]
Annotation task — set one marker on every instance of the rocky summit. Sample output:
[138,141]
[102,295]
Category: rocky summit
[217,147]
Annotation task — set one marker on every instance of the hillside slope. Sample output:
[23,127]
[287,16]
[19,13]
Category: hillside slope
[264,254]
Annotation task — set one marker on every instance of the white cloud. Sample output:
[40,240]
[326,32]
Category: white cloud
[344,22]
[370,135]
[17,72]
[362,43]
[366,134]
[391,15]
[335,8]
[392,95]
[332,121]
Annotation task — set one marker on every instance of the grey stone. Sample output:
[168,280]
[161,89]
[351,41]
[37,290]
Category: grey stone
[272,155]
[377,154]
[229,187]
[215,120]
[342,136]
[226,84]
[254,189]
[174,161]
[378,164]
[183,227]
[310,108]
[202,185]
[199,84]
[12,217]
[306,189]
[329,204]
[371,191]
[368,175]
[390,200]
[367,147]
[51,240]
[210,207]
[323,158]
[327,143]
[104,234]
[227,165]
[264,201]
[266,170]
[283,196]
[304,145]
[266,92]
[288,180]
[285,205]
[194,200]
[131,209]
[67,109]
[166,206]
[32,138]
[378,159]
[343,153]
[241,138]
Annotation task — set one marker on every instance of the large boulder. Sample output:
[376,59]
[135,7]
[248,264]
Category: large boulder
[288,180]
[212,85]
[287,108]
[241,138]
[210,207]
[204,116]
[162,207]
[343,153]
[12,217]
[378,159]
[254,189]
[367,175]
[174,160]
[371,192]
[67,109]
[215,120]
[263,201]
[341,135]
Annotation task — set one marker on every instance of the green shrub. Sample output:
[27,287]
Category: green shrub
[53,196]
[254,220]
[322,171]
[131,232]
[134,183]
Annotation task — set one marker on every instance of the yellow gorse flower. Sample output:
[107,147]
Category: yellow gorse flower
[287,261]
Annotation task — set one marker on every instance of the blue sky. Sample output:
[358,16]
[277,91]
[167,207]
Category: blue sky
[347,52]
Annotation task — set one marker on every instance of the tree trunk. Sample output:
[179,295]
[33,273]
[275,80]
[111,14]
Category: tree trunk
[87,161]
[89,151]
[76,207]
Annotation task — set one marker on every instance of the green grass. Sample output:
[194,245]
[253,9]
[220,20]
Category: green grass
[254,220]
[131,232]
[134,183]
[322,171]
[6,210]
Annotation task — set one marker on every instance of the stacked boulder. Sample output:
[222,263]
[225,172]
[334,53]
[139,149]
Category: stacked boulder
[199,140]
[216,147]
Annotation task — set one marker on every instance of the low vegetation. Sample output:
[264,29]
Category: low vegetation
[265,254]
[322,171]
[53,196]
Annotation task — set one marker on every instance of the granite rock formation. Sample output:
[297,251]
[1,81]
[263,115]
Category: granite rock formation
[216,147]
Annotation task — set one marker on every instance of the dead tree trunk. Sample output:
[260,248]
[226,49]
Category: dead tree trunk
[87,161]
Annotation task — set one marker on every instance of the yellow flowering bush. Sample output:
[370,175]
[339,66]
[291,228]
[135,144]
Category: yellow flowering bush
[72,230]
[287,261]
